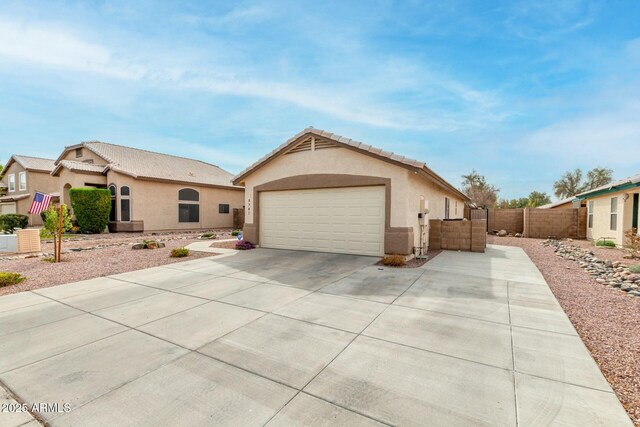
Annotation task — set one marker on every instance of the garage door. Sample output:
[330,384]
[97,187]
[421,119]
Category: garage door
[341,220]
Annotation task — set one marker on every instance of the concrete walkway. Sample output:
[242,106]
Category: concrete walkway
[269,337]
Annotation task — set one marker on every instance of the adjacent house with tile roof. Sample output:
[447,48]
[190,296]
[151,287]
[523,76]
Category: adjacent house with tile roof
[150,191]
[612,209]
[23,176]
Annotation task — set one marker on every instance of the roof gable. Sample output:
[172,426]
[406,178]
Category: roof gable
[150,165]
[37,164]
[311,136]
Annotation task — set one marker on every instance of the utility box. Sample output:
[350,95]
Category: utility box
[8,243]
[28,240]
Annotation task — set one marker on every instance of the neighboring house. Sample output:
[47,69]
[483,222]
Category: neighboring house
[612,209]
[150,191]
[322,192]
[569,203]
[23,176]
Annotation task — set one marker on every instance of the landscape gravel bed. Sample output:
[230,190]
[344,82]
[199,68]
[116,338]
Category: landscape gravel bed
[89,264]
[607,319]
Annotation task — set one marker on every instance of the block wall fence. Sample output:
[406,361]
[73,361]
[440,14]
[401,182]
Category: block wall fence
[458,235]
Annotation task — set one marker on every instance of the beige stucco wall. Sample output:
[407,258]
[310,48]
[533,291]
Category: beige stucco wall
[434,197]
[406,187]
[36,181]
[156,203]
[332,161]
[602,214]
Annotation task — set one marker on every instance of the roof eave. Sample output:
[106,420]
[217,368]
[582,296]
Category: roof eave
[611,189]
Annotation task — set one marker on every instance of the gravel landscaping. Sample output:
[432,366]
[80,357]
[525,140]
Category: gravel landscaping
[89,256]
[606,318]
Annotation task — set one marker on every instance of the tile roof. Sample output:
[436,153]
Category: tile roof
[613,186]
[151,165]
[384,155]
[558,203]
[75,165]
[32,163]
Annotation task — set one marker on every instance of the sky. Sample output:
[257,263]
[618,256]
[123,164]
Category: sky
[520,91]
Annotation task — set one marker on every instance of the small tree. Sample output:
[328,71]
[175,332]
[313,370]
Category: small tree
[91,207]
[479,191]
[55,225]
[537,198]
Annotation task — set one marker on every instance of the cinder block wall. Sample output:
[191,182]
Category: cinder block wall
[510,220]
[543,223]
[458,235]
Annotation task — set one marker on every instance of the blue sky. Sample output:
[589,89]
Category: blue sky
[520,91]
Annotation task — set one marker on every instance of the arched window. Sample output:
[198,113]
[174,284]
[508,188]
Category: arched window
[125,204]
[188,205]
[113,214]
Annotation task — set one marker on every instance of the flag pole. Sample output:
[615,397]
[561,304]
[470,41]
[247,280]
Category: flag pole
[59,235]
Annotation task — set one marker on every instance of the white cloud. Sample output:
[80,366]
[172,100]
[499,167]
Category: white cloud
[358,98]
[57,48]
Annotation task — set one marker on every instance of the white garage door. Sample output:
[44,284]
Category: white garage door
[341,220]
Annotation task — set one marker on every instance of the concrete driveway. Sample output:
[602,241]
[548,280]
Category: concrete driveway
[298,338]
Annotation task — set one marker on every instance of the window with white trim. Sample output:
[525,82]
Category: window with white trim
[22,181]
[12,182]
[614,214]
[590,216]
[446,207]
[188,205]
[125,204]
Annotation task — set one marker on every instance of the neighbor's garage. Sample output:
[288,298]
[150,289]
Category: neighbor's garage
[341,220]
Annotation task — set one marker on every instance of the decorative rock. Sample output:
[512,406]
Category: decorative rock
[502,233]
[138,246]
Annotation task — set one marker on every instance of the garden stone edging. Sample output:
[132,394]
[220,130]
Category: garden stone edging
[604,271]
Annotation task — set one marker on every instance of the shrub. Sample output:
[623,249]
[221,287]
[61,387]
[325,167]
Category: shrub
[208,235]
[235,232]
[45,234]
[633,239]
[9,222]
[8,279]
[49,259]
[91,207]
[635,268]
[606,243]
[244,245]
[393,260]
[179,252]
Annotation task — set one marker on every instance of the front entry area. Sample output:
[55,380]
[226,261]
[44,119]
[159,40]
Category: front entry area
[349,220]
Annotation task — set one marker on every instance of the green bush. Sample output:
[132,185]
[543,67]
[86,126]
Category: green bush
[91,207]
[8,279]
[9,222]
[606,243]
[635,268]
[208,235]
[179,252]
[235,232]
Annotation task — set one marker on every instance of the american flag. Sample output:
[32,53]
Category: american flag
[40,203]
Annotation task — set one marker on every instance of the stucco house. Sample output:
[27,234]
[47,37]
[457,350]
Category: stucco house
[323,192]
[612,209]
[23,176]
[150,191]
